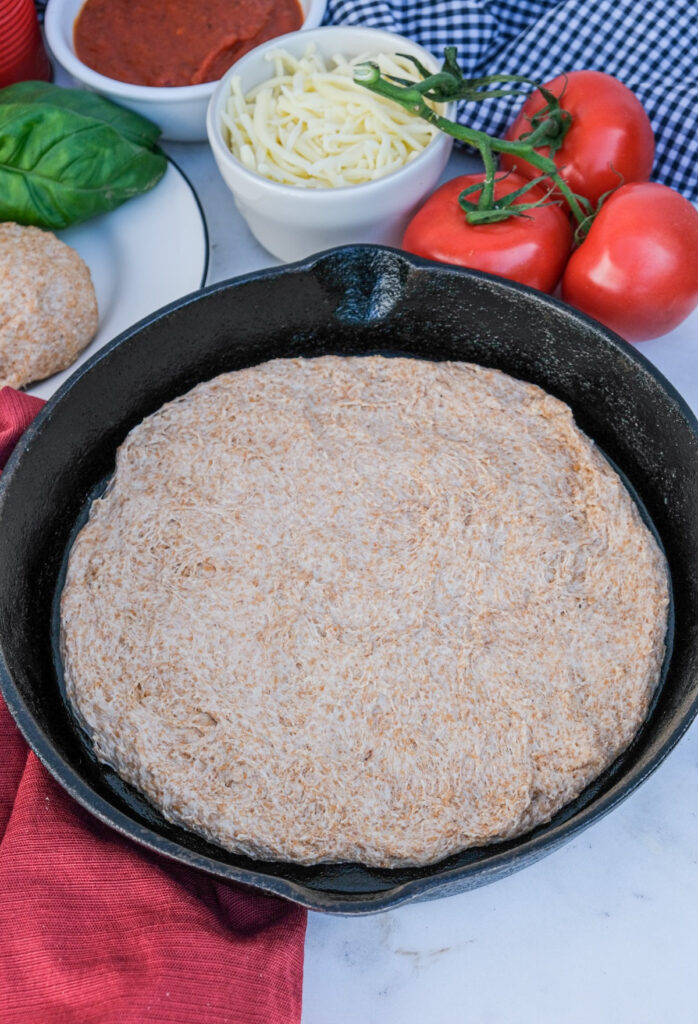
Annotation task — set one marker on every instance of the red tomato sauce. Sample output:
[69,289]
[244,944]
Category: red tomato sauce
[176,42]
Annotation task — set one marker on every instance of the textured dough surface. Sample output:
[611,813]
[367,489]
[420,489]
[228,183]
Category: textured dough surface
[362,609]
[48,306]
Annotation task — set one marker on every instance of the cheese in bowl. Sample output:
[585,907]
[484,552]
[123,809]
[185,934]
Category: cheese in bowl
[311,125]
[312,158]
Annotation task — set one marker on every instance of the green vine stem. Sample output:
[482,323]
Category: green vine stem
[448,84]
[486,201]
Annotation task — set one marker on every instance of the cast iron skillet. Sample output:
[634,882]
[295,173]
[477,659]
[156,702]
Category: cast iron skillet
[351,300]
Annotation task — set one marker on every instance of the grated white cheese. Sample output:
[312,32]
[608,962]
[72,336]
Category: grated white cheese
[311,125]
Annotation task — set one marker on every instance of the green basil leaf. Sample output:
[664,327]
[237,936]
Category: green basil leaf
[132,126]
[58,168]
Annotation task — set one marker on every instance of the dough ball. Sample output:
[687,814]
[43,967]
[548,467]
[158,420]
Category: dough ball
[48,306]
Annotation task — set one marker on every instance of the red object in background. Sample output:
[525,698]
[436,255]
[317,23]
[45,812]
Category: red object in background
[96,929]
[166,43]
[609,142]
[22,53]
[637,269]
[17,410]
[532,250]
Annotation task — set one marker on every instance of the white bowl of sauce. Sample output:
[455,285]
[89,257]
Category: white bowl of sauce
[163,58]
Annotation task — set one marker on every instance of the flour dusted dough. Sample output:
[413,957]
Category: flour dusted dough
[362,609]
[48,306]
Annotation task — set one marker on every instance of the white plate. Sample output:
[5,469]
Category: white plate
[148,252]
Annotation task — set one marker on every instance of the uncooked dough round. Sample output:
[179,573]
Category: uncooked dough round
[362,609]
[48,307]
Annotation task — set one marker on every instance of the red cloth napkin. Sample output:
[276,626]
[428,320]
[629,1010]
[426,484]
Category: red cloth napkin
[96,930]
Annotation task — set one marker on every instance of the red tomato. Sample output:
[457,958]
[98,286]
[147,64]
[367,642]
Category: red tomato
[530,249]
[637,269]
[610,134]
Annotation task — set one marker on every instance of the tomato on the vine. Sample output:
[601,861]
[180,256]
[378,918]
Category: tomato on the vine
[609,141]
[531,249]
[637,269]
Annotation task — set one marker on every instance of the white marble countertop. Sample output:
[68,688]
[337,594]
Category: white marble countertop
[603,930]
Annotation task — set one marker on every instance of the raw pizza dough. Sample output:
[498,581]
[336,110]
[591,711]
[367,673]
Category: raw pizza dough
[362,609]
[48,306]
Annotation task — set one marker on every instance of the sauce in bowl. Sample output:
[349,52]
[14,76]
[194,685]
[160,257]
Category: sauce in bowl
[176,42]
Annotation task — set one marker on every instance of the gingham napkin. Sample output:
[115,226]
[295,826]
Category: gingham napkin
[650,45]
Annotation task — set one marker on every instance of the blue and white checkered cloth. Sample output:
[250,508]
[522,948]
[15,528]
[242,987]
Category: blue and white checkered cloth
[650,45]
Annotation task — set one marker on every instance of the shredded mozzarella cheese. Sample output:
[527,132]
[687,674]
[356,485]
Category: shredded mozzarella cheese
[311,125]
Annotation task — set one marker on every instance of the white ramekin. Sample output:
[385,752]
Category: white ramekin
[292,222]
[180,111]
